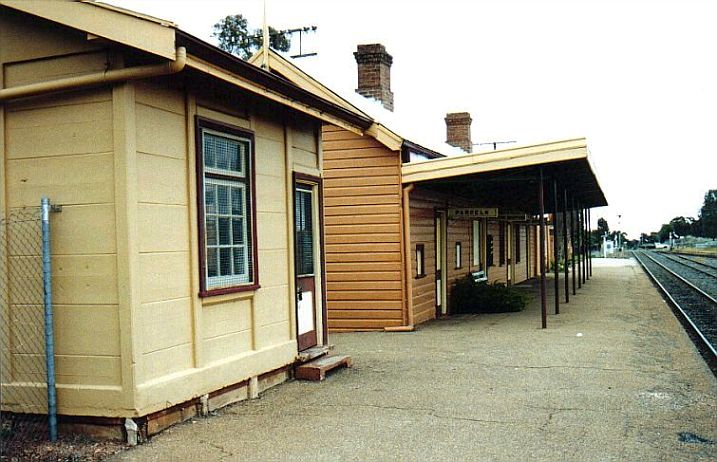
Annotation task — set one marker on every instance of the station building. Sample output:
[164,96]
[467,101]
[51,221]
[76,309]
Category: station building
[189,182]
[404,218]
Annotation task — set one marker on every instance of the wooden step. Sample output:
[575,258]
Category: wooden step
[316,370]
[313,353]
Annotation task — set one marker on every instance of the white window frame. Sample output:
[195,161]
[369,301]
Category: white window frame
[477,254]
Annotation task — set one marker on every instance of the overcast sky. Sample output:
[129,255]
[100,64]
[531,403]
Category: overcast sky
[637,78]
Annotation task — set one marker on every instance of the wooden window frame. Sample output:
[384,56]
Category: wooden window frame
[201,124]
[459,255]
[420,262]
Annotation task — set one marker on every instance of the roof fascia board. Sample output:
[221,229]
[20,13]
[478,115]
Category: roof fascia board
[480,163]
[111,24]
[385,136]
[208,68]
[297,76]
[289,71]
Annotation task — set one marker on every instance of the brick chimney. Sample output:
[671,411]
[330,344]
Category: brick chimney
[374,73]
[458,130]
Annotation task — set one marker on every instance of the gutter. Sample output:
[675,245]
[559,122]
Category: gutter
[408,280]
[99,78]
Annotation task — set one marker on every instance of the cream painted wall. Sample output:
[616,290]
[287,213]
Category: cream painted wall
[132,333]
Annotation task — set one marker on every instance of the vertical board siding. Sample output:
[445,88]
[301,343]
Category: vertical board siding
[362,223]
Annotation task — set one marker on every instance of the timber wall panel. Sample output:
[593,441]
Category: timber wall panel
[423,213]
[362,222]
[164,316]
[61,147]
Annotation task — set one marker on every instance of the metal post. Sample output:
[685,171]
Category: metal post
[555,246]
[565,245]
[572,239]
[579,245]
[543,301]
[590,240]
[49,334]
[582,242]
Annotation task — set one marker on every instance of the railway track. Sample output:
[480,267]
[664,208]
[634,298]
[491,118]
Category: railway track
[701,260]
[692,292]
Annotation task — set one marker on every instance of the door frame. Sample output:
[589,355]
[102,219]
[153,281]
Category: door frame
[441,305]
[316,185]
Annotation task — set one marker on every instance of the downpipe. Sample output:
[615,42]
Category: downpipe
[99,78]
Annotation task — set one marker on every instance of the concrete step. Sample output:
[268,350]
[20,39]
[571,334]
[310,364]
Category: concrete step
[316,370]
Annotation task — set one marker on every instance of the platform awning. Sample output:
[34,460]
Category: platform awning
[508,179]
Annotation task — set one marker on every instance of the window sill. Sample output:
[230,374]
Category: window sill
[421,276]
[225,294]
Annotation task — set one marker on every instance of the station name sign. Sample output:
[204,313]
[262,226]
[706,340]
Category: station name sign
[468,213]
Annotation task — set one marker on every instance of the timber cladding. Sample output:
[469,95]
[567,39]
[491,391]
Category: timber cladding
[362,219]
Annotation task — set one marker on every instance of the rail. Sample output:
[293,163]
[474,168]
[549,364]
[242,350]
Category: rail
[683,310]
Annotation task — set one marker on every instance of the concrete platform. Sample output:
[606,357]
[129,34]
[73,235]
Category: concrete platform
[613,378]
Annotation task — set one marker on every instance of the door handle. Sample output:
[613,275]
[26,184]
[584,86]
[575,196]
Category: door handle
[299,297]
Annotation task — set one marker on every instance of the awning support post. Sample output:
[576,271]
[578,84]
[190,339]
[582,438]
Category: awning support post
[579,244]
[590,253]
[585,246]
[565,245]
[543,300]
[555,246]
[573,237]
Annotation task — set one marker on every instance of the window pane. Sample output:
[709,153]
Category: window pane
[210,198]
[211,230]
[237,201]
[212,262]
[237,155]
[223,199]
[225,262]
[209,151]
[224,231]
[239,260]
[237,231]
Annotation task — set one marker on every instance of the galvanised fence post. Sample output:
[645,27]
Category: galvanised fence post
[49,332]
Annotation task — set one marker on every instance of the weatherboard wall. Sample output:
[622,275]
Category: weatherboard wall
[132,334]
[362,224]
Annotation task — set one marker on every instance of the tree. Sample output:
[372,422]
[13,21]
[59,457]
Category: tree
[602,227]
[708,215]
[233,36]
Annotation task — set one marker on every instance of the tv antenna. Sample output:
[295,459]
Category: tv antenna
[494,143]
[301,31]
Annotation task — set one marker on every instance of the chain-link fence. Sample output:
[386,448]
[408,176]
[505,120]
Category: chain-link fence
[23,366]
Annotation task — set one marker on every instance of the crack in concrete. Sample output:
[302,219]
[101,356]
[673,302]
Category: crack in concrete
[221,449]
[429,411]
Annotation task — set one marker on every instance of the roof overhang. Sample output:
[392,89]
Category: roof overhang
[161,38]
[509,178]
[115,24]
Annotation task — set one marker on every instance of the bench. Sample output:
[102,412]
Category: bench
[479,276]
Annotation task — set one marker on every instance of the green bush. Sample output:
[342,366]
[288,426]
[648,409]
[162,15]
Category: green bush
[469,296]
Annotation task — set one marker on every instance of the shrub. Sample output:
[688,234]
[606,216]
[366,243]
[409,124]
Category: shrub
[469,296]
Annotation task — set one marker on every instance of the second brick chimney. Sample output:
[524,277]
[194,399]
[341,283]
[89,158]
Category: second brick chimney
[374,73]
[458,130]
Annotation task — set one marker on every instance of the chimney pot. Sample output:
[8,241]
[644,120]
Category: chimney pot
[458,130]
[374,73]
